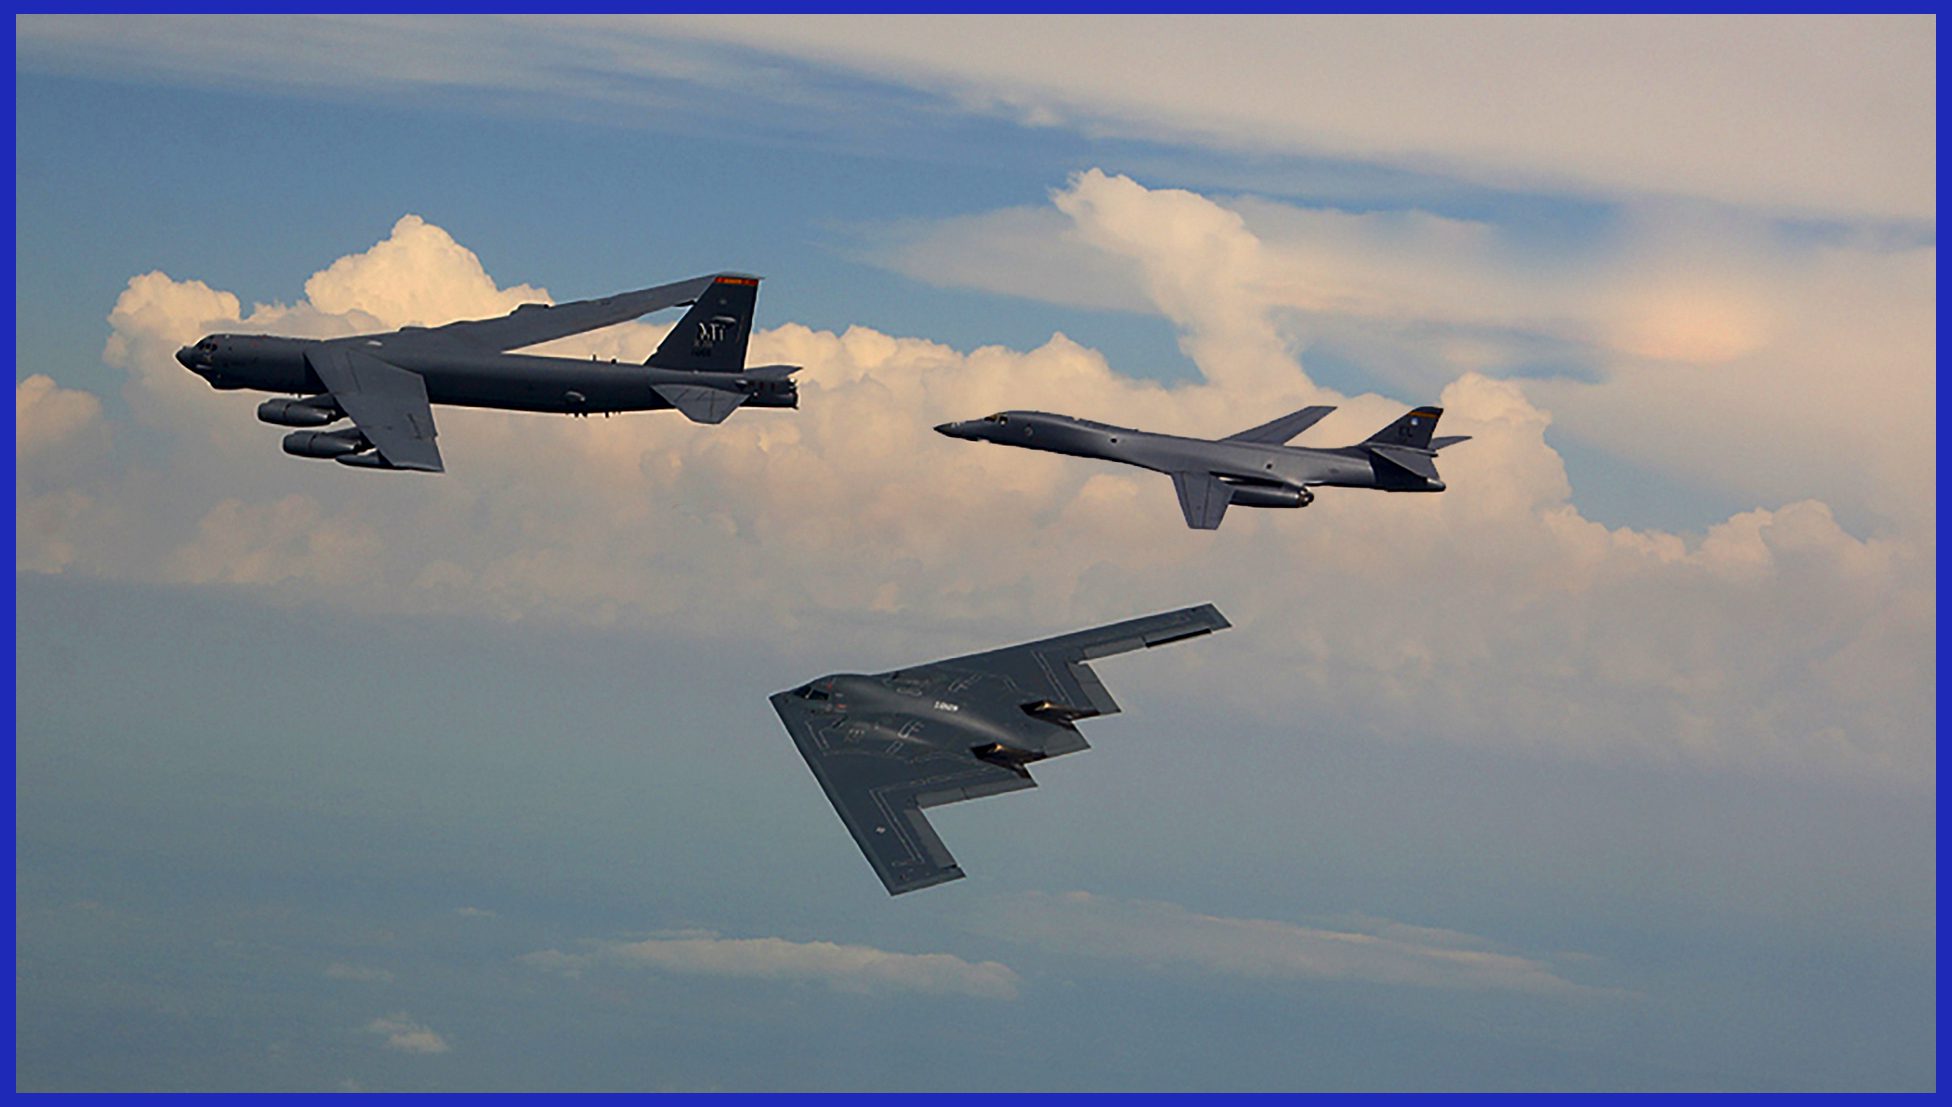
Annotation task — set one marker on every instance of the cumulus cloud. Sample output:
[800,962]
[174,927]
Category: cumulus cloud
[1655,340]
[61,446]
[47,415]
[847,968]
[1163,936]
[1778,641]
[404,1035]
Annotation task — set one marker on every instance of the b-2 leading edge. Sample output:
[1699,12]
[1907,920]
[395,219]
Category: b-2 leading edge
[385,383]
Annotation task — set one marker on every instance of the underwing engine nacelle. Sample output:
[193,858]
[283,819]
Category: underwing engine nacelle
[325,445]
[315,411]
[1264,495]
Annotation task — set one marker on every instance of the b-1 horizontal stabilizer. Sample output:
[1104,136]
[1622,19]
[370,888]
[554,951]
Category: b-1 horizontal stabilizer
[1417,462]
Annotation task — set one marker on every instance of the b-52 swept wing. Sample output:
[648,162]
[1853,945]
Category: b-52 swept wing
[886,746]
[387,383]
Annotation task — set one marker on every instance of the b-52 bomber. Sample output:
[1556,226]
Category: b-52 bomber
[885,746]
[386,383]
[1254,468]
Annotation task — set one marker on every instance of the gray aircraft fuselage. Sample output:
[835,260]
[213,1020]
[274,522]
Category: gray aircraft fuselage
[974,714]
[1247,465]
[463,378]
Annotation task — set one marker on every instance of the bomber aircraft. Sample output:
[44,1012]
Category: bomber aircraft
[386,383]
[1253,468]
[885,746]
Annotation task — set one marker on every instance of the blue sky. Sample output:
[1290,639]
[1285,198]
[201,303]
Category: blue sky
[1614,763]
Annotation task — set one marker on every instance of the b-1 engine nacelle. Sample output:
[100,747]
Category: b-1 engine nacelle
[1262,495]
[316,411]
[325,444]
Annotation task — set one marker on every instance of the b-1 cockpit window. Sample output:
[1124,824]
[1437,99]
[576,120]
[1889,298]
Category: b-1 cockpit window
[999,418]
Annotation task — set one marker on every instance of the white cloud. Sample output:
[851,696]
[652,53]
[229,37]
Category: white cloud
[1778,642]
[1162,936]
[1715,341]
[1830,114]
[846,968]
[405,1035]
[417,276]
[47,415]
[61,445]
[359,973]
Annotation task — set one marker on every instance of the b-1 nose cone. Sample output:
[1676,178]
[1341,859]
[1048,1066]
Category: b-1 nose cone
[948,429]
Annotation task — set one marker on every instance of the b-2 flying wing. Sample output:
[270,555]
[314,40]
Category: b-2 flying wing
[884,747]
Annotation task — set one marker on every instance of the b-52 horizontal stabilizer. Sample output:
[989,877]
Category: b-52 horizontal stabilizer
[699,403]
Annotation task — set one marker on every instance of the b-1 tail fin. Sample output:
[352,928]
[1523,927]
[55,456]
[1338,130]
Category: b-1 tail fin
[1412,430]
[711,338]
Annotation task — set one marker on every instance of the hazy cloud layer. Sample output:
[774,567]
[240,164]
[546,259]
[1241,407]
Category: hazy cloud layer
[1166,936]
[1828,114]
[1825,113]
[847,968]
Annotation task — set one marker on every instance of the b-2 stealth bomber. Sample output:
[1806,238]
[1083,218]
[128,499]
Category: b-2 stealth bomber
[1252,469]
[385,383]
[885,746]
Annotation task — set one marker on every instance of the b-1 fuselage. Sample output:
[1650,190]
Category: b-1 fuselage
[461,377]
[1244,464]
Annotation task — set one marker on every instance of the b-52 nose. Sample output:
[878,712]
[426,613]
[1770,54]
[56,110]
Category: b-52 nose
[187,356]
